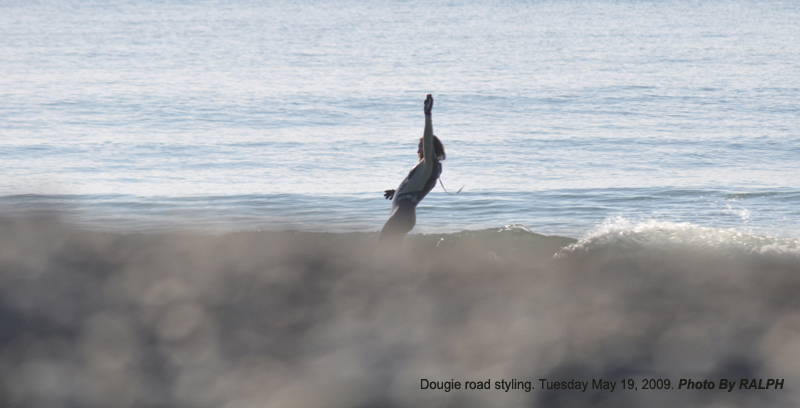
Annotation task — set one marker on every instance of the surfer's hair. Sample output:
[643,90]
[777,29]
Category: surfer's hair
[438,148]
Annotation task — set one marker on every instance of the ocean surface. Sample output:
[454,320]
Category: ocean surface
[560,116]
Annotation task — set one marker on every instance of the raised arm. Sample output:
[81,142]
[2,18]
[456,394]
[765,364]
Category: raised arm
[427,137]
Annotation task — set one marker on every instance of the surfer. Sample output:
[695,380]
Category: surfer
[415,186]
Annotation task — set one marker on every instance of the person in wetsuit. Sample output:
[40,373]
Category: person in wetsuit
[415,186]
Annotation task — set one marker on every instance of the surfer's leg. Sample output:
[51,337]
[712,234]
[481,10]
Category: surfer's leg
[399,224]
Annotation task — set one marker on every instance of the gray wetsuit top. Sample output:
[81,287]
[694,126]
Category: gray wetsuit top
[419,182]
[422,178]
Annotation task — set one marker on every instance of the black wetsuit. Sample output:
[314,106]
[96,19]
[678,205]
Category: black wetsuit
[404,205]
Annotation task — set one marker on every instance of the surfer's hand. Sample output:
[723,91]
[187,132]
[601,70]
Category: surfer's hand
[388,194]
[428,104]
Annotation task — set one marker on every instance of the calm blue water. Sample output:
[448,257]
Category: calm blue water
[557,115]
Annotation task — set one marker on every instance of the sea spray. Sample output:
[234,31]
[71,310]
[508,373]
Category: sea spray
[311,319]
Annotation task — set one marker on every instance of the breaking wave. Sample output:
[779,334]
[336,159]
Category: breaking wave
[285,318]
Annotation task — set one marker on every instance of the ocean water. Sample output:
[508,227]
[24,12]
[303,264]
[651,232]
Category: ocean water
[311,319]
[190,194]
[556,115]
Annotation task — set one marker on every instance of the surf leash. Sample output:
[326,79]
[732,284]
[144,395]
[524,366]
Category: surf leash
[445,190]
